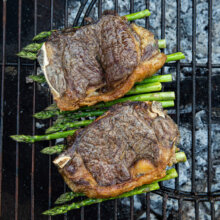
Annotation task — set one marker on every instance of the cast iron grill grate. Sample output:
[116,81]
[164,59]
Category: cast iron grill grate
[22,66]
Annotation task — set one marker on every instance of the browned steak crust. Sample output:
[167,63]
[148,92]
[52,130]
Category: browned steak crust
[98,62]
[129,146]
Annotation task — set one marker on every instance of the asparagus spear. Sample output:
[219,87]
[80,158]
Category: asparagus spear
[37,78]
[62,127]
[42,35]
[175,57]
[157,78]
[138,15]
[69,123]
[30,51]
[66,197]
[76,205]
[163,97]
[92,112]
[45,114]
[32,139]
[62,119]
[54,111]
[34,47]
[27,55]
[57,149]
[139,190]
[152,79]
[160,96]
[130,17]
[149,87]
[35,138]
[77,115]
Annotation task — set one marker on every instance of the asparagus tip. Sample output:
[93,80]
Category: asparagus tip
[27,55]
[52,211]
[50,130]
[22,138]
[53,150]
[43,115]
[66,197]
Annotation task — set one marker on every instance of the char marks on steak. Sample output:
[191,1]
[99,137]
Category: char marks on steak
[98,62]
[128,146]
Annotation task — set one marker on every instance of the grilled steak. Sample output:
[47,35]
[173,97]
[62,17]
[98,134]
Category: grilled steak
[98,62]
[128,146]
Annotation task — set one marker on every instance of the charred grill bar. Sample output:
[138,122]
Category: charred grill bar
[166,193]
[2,93]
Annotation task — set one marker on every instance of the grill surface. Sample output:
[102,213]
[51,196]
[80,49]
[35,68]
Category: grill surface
[25,188]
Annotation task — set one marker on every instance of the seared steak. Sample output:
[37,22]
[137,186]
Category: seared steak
[98,62]
[128,146]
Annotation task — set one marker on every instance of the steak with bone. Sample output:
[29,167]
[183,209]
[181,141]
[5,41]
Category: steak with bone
[130,145]
[98,62]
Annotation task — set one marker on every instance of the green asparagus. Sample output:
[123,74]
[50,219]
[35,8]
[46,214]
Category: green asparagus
[163,97]
[130,17]
[152,79]
[76,205]
[27,55]
[32,139]
[42,35]
[57,149]
[37,78]
[66,197]
[139,190]
[76,115]
[30,51]
[66,122]
[34,47]
[62,127]
[144,88]
[138,15]
[160,96]
[45,114]
[35,138]
[157,78]
[175,57]
[62,119]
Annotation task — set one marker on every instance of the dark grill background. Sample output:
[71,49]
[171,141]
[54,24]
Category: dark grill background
[29,184]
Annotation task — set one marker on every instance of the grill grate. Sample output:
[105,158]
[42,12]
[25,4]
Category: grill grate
[167,193]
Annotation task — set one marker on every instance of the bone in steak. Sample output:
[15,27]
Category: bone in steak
[98,62]
[130,145]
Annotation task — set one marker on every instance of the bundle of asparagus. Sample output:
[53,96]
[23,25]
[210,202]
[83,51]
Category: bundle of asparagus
[30,51]
[68,119]
[147,90]
[66,197]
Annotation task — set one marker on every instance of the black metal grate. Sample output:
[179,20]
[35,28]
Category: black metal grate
[22,65]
